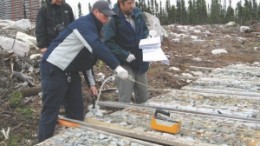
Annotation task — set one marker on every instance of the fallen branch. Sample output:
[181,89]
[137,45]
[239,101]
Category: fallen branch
[3,143]
[23,77]
[6,133]
[6,112]
[14,128]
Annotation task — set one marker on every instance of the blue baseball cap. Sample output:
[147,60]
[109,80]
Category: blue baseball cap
[104,7]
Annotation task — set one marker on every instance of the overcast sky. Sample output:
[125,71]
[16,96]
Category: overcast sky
[84,4]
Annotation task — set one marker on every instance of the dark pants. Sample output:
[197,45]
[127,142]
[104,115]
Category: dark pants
[57,91]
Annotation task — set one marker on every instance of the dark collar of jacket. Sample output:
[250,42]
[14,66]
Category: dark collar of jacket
[48,2]
[97,22]
[135,13]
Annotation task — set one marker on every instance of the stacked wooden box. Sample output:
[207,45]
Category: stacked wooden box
[19,9]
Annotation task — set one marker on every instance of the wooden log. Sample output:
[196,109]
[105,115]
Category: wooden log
[30,91]
[23,77]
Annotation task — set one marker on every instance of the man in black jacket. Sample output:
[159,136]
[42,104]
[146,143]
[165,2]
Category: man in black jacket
[52,18]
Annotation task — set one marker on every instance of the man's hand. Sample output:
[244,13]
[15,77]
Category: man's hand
[121,72]
[93,90]
[130,58]
[43,50]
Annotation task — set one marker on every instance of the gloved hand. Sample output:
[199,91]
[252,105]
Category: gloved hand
[130,58]
[121,72]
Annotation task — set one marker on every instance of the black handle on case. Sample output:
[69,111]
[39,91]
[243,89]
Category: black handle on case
[93,98]
[162,112]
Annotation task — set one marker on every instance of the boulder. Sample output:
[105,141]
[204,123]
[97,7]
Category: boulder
[230,24]
[154,26]
[245,29]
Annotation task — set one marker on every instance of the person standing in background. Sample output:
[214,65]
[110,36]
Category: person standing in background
[52,18]
[122,35]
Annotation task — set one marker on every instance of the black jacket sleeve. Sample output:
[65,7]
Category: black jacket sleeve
[41,29]
[70,12]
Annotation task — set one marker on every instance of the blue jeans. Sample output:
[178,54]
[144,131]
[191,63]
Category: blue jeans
[57,91]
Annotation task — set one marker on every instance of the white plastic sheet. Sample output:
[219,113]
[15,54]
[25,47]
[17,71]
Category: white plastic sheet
[23,25]
[151,48]
[14,46]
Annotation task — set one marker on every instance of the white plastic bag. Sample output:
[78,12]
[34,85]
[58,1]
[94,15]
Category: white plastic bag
[23,25]
[16,46]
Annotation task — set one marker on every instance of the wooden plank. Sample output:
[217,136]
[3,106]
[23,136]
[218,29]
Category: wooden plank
[57,139]
[108,127]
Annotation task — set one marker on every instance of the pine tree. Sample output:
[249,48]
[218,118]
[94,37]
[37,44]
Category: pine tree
[191,13]
[79,7]
[215,13]
[204,12]
[149,7]
[197,12]
[168,14]
[89,7]
[254,10]
[195,9]
[184,12]
[178,12]
[247,11]
[167,6]
[156,7]
[230,14]
[258,12]
[239,13]
[201,12]
[152,7]
[162,16]
[172,15]
[223,11]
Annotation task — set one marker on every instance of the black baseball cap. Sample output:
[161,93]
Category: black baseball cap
[104,7]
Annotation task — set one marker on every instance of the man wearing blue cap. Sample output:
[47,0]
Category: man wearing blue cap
[75,49]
